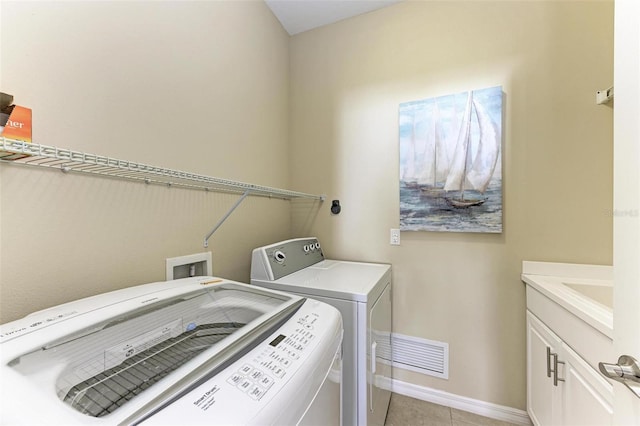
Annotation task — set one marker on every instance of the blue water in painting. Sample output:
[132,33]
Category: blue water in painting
[421,211]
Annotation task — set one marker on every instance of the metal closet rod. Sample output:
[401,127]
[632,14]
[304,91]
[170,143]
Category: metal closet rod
[38,155]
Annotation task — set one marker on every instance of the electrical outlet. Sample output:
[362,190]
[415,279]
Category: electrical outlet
[395,237]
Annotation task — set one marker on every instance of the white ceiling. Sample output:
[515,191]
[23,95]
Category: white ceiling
[297,16]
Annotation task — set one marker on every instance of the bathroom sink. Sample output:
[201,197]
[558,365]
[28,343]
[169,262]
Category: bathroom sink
[575,301]
[601,293]
[585,291]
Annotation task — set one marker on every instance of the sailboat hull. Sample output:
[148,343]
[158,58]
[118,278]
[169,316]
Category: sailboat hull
[433,191]
[463,204]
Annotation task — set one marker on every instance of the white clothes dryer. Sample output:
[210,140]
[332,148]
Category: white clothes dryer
[362,294]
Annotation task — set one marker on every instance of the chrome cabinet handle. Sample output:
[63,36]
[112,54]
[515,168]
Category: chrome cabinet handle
[555,366]
[555,369]
[626,371]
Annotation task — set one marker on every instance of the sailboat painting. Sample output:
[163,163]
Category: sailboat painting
[451,162]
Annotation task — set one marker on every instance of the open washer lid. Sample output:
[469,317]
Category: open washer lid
[114,348]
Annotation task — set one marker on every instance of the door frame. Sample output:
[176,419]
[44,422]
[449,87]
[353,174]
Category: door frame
[626,204]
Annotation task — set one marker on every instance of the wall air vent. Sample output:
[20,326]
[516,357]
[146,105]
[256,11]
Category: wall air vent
[415,354]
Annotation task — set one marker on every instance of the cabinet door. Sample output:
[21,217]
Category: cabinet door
[588,397]
[543,398]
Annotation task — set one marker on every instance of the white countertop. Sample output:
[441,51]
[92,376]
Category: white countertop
[559,281]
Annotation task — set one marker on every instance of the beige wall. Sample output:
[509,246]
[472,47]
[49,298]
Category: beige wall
[196,86]
[347,81]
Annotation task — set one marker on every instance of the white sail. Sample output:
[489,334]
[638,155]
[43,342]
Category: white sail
[458,167]
[449,138]
[426,165]
[487,152]
[441,156]
[436,159]
[476,173]
[409,172]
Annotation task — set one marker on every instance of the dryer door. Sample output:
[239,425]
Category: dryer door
[379,369]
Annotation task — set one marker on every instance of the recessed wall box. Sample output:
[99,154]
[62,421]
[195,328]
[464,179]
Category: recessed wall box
[193,265]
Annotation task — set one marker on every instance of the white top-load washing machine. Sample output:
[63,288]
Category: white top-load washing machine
[199,350]
[362,294]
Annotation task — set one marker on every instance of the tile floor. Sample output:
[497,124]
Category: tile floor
[406,411]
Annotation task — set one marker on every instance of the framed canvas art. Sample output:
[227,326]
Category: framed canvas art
[451,162]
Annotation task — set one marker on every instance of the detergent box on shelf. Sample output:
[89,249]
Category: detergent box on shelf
[15,123]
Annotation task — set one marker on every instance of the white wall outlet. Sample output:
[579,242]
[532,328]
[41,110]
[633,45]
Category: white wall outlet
[395,237]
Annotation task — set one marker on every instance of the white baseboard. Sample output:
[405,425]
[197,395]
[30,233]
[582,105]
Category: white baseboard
[486,409]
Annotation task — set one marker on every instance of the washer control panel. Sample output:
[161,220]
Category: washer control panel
[254,379]
[248,386]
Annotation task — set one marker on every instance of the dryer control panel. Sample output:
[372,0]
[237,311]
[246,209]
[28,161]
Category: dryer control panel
[284,258]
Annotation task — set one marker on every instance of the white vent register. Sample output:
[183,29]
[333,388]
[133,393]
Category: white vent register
[412,353]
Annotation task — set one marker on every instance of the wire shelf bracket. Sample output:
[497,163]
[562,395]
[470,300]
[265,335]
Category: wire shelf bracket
[221,221]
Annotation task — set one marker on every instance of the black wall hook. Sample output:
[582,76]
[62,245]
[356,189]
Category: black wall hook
[335,207]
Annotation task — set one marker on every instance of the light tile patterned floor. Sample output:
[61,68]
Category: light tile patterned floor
[406,411]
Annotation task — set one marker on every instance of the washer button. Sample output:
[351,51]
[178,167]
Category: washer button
[245,385]
[256,392]
[265,381]
[255,374]
[235,379]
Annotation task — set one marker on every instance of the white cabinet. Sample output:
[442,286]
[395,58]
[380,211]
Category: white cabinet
[562,388]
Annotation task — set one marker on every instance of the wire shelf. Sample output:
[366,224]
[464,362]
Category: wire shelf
[31,154]
[68,161]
